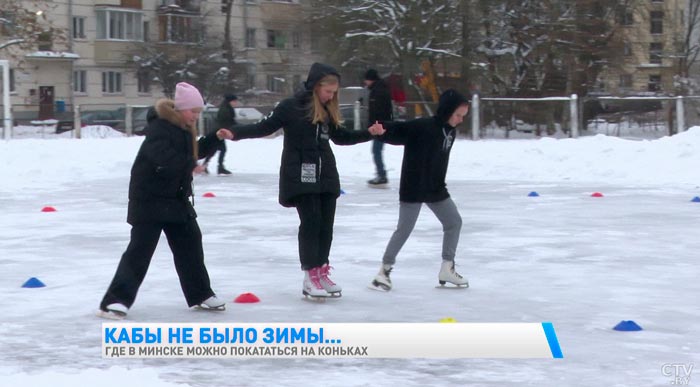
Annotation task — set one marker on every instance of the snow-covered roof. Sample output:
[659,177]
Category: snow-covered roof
[53,55]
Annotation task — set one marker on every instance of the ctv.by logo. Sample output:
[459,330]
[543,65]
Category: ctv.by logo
[679,372]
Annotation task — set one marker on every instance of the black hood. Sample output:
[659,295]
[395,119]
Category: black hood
[450,100]
[317,72]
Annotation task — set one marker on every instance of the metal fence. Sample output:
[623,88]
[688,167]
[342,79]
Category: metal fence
[633,117]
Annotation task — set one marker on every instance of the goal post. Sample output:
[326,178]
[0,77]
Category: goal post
[7,108]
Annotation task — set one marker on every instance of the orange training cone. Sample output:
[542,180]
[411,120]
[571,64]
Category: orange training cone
[209,195]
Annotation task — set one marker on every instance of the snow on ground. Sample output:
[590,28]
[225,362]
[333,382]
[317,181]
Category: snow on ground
[582,263]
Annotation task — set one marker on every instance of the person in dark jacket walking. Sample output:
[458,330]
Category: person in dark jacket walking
[309,178]
[427,144]
[225,118]
[380,110]
[159,191]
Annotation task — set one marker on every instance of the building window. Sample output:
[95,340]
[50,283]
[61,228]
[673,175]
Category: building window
[626,81]
[143,80]
[627,49]
[276,39]
[657,22]
[225,5]
[13,87]
[296,39]
[119,25]
[146,31]
[181,29]
[250,38]
[79,27]
[654,83]
[624,16]
[276,83]
[251,81]
[44,41]
[111,82]
[655,51]
[80,81]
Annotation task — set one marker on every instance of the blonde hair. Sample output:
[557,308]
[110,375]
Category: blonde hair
[318,113]
[193,131]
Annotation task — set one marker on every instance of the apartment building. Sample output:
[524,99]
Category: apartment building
[93,62]
[650,33]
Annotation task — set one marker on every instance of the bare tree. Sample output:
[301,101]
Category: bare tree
[395,35]
[205,63]
[25,27]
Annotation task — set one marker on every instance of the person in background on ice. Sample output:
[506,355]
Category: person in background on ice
[225,118]
[427,144]
[380,110]
[309,178]
[159,191]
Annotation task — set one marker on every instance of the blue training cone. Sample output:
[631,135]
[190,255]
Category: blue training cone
[342,192]
[627,326]
[33,283]
[533,194]
[695,199]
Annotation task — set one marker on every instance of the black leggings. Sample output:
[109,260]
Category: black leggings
[316,214]
[185,240]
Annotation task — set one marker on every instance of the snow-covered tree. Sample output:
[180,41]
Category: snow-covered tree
[205,63]
[24,26]
[391,35]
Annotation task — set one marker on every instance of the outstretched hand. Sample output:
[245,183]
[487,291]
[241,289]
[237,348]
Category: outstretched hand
[376,129]
[224,134]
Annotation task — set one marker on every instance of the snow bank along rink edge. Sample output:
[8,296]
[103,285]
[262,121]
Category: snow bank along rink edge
[668,161]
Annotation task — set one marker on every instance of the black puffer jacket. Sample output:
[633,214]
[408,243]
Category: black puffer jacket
[427,145]
[308,164]
[161,177]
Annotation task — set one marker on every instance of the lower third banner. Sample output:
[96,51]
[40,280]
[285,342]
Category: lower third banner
[332,340]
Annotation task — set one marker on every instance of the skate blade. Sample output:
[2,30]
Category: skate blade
[316,299]
[210,309]
[334,295]
[378,186]
[452,286]
[378,287]
[110,315]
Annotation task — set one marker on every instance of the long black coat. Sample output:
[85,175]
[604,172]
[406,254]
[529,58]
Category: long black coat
[380,107]
[225,117]
[161,176]
[308,164]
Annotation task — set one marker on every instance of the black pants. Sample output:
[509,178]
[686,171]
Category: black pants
[317,214]
[185,240]
[222,153]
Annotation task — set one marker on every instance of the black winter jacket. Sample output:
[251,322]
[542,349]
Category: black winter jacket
[225,117]
[427,145]
[308,164]
[380,108]
[161,176]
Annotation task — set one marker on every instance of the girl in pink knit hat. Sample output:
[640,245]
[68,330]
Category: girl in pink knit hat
[159,192]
